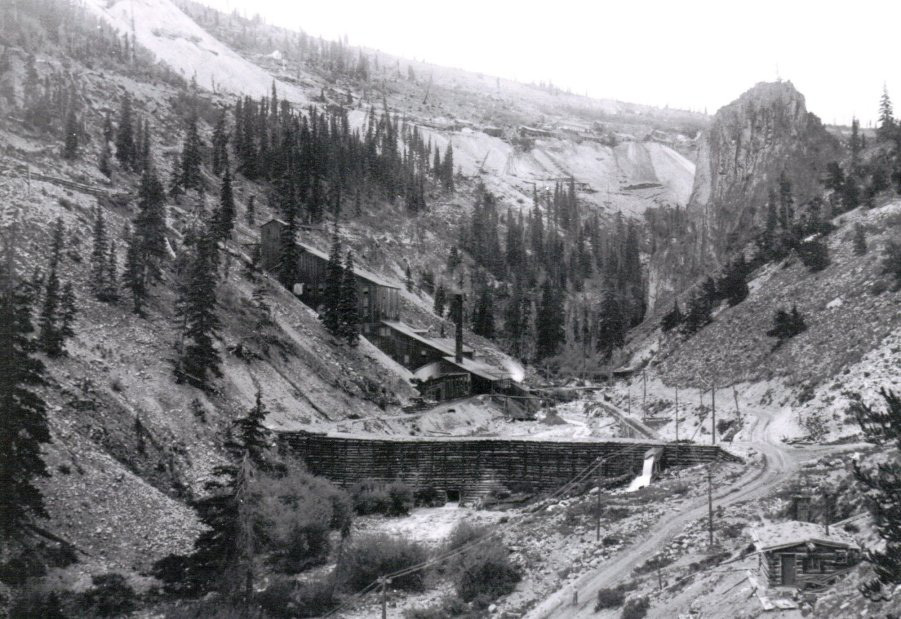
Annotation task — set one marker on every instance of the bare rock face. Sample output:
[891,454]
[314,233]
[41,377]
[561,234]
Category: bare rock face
[750,143]
[752,140]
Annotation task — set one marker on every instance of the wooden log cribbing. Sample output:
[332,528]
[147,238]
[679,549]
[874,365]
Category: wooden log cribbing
[459,463]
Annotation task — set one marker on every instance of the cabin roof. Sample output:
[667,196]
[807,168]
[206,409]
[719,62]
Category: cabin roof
[358,271]
[444,346]
[478,368]
[776,535]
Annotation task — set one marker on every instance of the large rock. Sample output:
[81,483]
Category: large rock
[751,141]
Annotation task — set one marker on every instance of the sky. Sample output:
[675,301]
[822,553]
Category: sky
[689,54]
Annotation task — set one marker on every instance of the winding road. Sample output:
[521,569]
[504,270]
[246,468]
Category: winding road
[779,463]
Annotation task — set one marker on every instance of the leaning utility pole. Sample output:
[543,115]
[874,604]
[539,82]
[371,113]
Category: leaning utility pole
[713,413]
[384,583]
[644,395]
[597,508]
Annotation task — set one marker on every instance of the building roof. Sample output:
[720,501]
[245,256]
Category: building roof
[777,535]
[359,271]
[478,368]
[442,345]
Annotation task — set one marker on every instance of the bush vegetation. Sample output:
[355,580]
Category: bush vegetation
[375,497]
[636,608]
[289,598]
[369,557]
[610,598]
[485,572]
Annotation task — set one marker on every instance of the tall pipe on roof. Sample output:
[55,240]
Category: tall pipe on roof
[458,318]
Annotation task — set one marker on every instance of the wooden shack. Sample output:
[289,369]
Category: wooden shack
[411,347]
[378,299]
[803,554]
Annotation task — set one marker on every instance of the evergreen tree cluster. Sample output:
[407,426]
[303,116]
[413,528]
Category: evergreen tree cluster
[548,259]
[58,310]
[882,484]
[23,418]
[104,276]
[340,311]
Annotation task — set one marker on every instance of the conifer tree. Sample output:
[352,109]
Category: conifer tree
[886,130]
[125,141]
[348,304]
[612,328]
[882,484]
[175,184]
[198,360]
[23,420]
[99,256]
[70,147]
[219,161]
[483,316]
[68,312]
[331,297]
[672,319]
[549,322]
[134,276]
[440,301]
[698,315]
[289,253]
[787,324]
[860,240]
[49,335]
[252,435]
[150,227]
[855,145]
[104,163]
[447,178]
[191,158]
[225,214]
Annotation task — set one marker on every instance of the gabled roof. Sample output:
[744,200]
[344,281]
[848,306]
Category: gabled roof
[443,346]
[478,368]
[777,535]
[359,271]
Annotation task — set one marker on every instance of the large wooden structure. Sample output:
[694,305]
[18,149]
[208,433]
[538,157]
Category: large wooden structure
[410,347]
[379,300]
[456,465]
[801,554]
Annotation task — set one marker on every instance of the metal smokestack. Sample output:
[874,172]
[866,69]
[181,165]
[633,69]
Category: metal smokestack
[458,318]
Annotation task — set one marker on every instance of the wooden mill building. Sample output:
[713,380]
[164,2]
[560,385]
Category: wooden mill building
[379,300]
[800,554]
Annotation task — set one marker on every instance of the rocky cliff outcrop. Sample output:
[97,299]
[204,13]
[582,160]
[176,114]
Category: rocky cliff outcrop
[751,142]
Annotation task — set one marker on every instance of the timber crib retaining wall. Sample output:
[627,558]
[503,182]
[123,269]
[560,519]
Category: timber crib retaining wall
[456,464]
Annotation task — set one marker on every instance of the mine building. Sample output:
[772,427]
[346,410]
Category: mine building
[803,554]
[411,347]
[379,300]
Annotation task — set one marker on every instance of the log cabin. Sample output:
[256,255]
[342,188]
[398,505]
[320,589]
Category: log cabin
[803,554]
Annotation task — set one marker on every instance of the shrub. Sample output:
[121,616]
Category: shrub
[636,608]
[610,598]
[401,499]
[486,572]
[295,512]
[451,606]
[372,556]
[787,324]
[891,261]
[110,596]
[289,598]
[464,533]
[369,497]
[36,603]
[814,254]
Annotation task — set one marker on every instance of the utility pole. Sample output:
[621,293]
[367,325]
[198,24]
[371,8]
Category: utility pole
[713,413]
[677,413]
[629,398]
[709,505]
[644,394]
[384,583]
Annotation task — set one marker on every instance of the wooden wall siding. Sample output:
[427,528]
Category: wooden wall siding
[829,560]
[458,464]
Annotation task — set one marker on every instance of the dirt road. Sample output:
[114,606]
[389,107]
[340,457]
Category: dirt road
[780,462]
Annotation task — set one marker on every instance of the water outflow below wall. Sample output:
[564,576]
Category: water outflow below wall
[457,465]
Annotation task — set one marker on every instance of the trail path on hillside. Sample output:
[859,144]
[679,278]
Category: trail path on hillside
[779,463]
